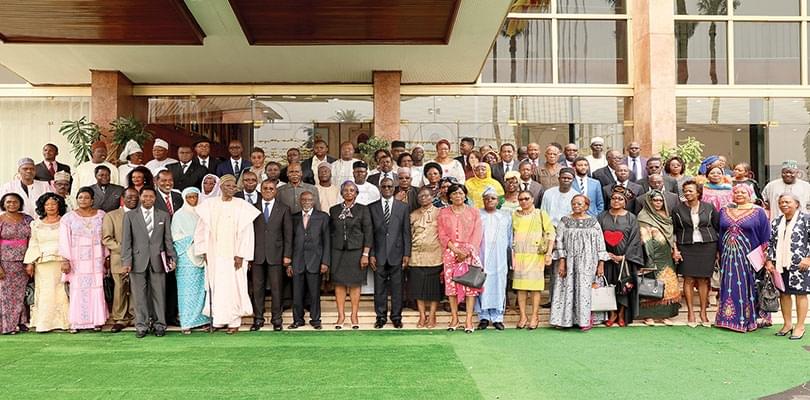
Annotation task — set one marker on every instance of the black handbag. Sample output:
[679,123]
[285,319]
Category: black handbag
[625,284]
[650,287]
[474,277]
[109,289]
[768,299]
[29,293]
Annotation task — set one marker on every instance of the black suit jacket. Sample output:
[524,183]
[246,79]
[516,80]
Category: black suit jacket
[498,172]
[413,202]
[311,246]
[160,203]
[256,196]
[109,199]
[461,160]
[392,241]
[375,178]
[192,178]
[273,238]
[630,204]
[670,199]
[604,177]
[351,233]
[213,163]
[43,174]
[670,184]
[306,169]
[226,167]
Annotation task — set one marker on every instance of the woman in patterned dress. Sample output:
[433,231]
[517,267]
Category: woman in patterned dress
[190,268]
[15,231]
[531,228]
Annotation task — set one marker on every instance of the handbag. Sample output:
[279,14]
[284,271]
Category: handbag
[715,281]
[768,299]
[29,293]
[603,298]
[625,284]
[650,287]
[474,277]
[109,289]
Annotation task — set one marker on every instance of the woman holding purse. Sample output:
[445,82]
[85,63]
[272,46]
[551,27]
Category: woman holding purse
[658,238]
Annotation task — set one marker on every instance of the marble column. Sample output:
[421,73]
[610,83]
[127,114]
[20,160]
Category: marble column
[111,93]
[386,104]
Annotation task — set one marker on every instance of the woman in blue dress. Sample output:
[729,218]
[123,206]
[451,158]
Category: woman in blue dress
[190,267]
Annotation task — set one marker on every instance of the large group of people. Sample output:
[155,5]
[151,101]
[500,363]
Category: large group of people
[197,242]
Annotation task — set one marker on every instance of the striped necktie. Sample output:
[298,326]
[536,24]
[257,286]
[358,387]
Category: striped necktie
[147,217]
[386,211]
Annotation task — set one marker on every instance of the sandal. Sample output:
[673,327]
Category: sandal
[649,322]
[668,322]
[521,324]
[186,331]
[232,331]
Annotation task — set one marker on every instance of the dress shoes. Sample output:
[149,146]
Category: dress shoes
[117,328]
[256,326]
[498,326]
[295,325]
[398,324]
[316,325]
[483,324]
[277,327]
[140,334]
[379,324]
[547,305]
[160,332]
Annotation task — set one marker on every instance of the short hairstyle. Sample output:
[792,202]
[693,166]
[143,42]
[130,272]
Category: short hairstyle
[557,145]
[60,202]
[302,193]
[88,190]
[698,187]
[669,161]
[11,194]
[257,150]
[508,144]
[653,159]
[403,155]
[164,171]
[268,181]
[793,196]
[527,192]
[295,149]
[249,172]
[580,158]
[150,189]
[468,140]
[274,163]
[585,198]
[56,149]
[99,168]
[316,141]
[455,188]
[383,151]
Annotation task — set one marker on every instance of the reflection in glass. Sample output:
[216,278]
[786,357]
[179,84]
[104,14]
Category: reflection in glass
[592,51]
[531,6]
[766,7]
[701,52]
[701,7]
[521,53]
[591,6]
[766,53]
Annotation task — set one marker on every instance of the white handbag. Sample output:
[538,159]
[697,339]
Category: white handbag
[603,298]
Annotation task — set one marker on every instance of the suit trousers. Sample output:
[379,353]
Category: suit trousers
[388,277]
[122,306]
[306,285]
[260,274]
[172,312]
[148,294]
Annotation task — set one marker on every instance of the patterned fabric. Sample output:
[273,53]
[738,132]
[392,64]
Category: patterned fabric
[719,197]
[659,257]
[13,244]
[190,286]
[453,268]
[798,282]
[528,265]
[80,243]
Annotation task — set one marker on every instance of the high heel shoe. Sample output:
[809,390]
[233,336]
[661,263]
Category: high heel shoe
[621,324]
[521,324]
[794,337]
[785,333]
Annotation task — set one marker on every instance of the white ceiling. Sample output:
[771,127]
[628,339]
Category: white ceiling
[226,57]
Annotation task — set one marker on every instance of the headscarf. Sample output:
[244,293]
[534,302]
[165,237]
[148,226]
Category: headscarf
[131,147]
[706,163]
[476,186]
[184,222]
[215,192]
[747,206]
[650,217]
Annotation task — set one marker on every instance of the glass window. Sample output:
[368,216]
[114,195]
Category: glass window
[591,7]
[521,53]
[592,51]
[769,7]
[766,53]
[700,7]
[523,6]
[701,52]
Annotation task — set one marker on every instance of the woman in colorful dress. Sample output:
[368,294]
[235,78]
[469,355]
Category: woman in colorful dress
[658,238]
[532,230]
[190,268]
[425,269]
[744,230]
[743,175]
[50,308]
[15,231]
[789,256]
[511,189]
[479,182]
[80,244]
[460,233]
[624,250]
[716,184]
[580,248]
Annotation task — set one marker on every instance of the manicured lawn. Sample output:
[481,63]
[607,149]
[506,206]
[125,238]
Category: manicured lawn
[659,362]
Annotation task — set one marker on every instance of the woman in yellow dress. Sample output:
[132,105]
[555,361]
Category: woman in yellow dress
[533,242]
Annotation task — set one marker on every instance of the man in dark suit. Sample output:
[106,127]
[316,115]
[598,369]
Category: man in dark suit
[466,147]
[507,163]
[655,182]
[186,173]
[107,196]
[249,183]
[623,179]
[146,246]
[385,166]
[170,201]
[235,164]
[655,166]
[320,153]
[273,231]
[391,252]
[527,183]
[636,162]
[203,156]
[607,175]
[310,259]
[293,157]
[49,166]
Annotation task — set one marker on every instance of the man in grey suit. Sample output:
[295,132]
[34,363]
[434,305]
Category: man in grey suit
[311,257]
[623,179]
[391,252]
[146,253]
[273,231]
[107,196]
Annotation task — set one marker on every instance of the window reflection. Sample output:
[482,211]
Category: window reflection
[591,6]
[700,7]
[701,52]
[766,8]
[521,53]
[592,51]
[766,53]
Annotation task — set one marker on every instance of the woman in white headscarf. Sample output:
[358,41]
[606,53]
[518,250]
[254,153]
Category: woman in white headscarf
[209,187]
[132,155]
[190,267]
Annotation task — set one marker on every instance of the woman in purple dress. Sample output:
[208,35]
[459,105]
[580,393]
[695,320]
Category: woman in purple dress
[15,230]
[744,230]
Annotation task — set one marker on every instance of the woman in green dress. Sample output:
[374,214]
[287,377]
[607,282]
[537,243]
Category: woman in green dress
[657,235]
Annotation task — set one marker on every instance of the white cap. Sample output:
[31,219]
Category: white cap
[598,139]
[161,143]
[132,147]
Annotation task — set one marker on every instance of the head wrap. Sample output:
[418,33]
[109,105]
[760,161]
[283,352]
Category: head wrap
[477,186]
[189,190]
[511,174]
[214,192]
[61,176]
[359,164]
[23,161]
[567,170]
[706,163]
[418,146]
[99,145]
[226,178]
[790,164]
[184,223]
[489,191]
[132,147]
[597,139]
[648,216]
[161,143]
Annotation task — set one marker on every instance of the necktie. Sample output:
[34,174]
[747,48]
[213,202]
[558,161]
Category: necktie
[51,169]
[266,212]
[582,185]
[386,212]
[185,168]
[236,167]
[306,220]
[147,217]
[525,186]
[250,198]
[506,168]
[169,204]
[635,168]
[204,163]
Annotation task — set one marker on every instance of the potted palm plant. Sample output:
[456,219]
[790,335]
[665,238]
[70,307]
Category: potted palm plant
[125,129]
[81,134]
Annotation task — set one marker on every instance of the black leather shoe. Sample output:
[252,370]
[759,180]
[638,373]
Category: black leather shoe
[295,325]
[160,332]
[498,325]
[277,327]
[398,324]
[483,324]
[547,305]
[140,334]
[117,328]
[379,324]
[256,326]
[317,326]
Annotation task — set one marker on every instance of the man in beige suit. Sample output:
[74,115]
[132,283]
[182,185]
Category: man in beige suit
[112,231]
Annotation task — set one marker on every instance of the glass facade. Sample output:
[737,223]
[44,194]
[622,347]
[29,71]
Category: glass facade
[700,48]
[767,53]
[592,51]
[521,53]
[591,7]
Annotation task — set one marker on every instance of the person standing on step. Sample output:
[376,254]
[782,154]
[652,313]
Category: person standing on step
[311,258]
[112,231]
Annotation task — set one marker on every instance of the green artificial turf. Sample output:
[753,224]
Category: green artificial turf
[659,363]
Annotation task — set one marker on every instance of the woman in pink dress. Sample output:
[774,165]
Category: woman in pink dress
[460,233]
[80,244]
